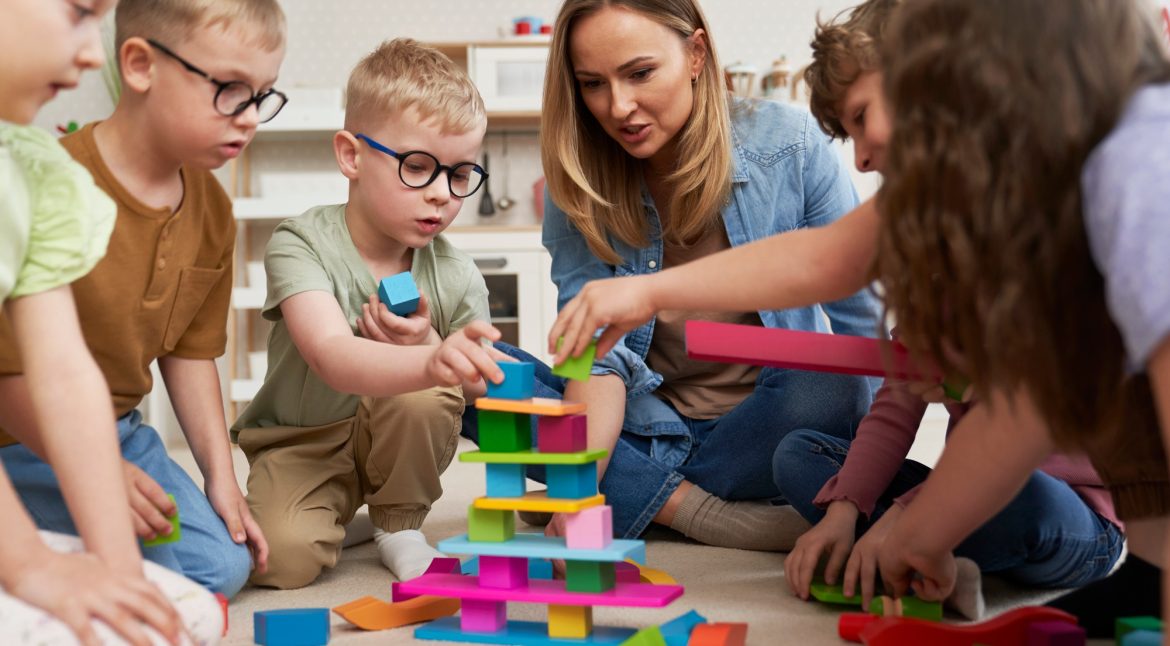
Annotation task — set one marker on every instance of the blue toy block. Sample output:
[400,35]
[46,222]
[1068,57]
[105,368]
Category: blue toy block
[537,568]
[505,480]
[539,546]
[571,480]
[1142,638]
[291,627]
[399,293]
[519,381]
[677,631]
[524,633]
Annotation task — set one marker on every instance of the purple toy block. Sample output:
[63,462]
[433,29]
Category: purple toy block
[561,434]
[479,616]
[590,529]
[1055,633]
[503,572]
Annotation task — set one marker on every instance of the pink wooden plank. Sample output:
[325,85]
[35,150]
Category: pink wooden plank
[642,595]
[800,350]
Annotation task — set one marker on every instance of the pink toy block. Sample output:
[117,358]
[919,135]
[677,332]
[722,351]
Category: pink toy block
[634,595]
[627,573]
[503,572]
[1055,633]
[590,529]
[483,616]
[561,434]
[440,565]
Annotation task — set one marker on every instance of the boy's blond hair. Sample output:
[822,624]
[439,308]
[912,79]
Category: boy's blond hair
[402,74]
[171,21]
[843,50]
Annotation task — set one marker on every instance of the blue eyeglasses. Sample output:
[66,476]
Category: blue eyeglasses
[417,169]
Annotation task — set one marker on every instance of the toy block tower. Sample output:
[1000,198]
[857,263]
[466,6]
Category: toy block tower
[589,550]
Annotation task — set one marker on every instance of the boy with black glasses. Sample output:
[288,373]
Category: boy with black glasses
[360,405]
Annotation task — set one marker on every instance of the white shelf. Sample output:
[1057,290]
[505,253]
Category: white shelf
[244,390]
[291,123]
[247,298]
[274,208]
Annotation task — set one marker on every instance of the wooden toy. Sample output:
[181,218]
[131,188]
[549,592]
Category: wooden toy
[1055,633]
[534,406]
[907,607]
[503,572]
[590,529]
[1008,629]
[561,434]
[1141,638]
[176,530]
[826,593]
[539,501]
[648,636]
[650,575]
[399,293]
[291,627]
[519,381]
[589,576]
[223,605]
[850,624]
[626,572]
[504,432]
[532,457]
[490,525]
[571,481]
[639,595]
[370,613]
[1126,625]
[719,635]
[505,480]
[483,615]
[440,565]
[547,547]
[677,631]
[572,622]
[524,633]
[577,368]
[538,568]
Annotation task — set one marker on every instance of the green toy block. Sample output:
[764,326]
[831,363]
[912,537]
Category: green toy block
[501,432]
[175,534]
[826,593]
[1126,625]
[490,525]
[576,367]
[648,636]
[911,607]
[589,576]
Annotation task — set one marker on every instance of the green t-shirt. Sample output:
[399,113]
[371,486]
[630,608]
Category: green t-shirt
[55,222]
[314,252]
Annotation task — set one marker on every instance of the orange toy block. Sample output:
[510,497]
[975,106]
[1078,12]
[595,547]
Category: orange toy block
[719,635]
[1008,629]
[534,406]
[369,613]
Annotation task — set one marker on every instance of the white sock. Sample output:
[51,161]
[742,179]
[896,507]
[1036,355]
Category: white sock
[405,552]
[967,598]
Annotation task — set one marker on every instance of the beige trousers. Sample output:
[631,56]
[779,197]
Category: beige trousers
[306,483]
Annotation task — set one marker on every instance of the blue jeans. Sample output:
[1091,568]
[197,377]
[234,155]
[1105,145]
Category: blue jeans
[729,456]
[205,552]
[1047,536]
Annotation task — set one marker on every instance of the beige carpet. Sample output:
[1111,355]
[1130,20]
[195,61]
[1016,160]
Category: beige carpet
[722,584]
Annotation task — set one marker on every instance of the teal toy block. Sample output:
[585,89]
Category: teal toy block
[505,480]
[1125,625]
[291,627]
[826,593]
[590,528]
[176,530]
[399,293]
[561,434]
[490,525]
[519,381]
[571,480]
[677,631]
[590,576]
[501,432]
[1141,638]
[576,368]
[648,636]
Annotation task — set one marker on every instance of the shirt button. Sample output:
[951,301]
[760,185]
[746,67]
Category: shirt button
[652,264]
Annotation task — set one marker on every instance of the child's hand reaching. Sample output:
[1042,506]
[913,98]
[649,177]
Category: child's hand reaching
[462,357]
[618,304]
[378,323]
[832,536]
[149,504]
[863,562]
[936,573]
[78,589]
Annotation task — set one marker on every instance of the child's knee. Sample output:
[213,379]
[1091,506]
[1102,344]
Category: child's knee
[234,565]
[295,558]
[792,451]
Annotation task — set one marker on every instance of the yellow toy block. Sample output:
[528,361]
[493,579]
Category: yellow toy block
[650,575]
[534,406]
[569,622]
[539,501]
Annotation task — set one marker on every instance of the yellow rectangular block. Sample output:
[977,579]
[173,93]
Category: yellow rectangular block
[569,622]
[535,406]
[539,501]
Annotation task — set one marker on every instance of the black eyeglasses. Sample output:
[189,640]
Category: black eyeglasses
[233,97]
[417,169]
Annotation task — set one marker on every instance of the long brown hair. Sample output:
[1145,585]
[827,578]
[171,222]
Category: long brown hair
[595,181]
[983,252]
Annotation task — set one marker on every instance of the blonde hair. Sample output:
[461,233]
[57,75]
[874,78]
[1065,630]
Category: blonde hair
[843,50]
[596,182]
[171,21]
[401,74]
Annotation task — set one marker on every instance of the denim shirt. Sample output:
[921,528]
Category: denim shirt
[786,176]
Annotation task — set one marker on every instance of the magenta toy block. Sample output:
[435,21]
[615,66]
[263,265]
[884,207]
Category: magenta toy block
[527,633]
[639,595]
[291,627]
[503,572]
[626,572]
[1055,633]
[571,481]
[505,480]
[518,383]
[478,616]
[440,565]
[561,434]
[590,529]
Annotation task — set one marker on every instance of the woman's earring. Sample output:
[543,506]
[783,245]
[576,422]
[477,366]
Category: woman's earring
[694,80]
